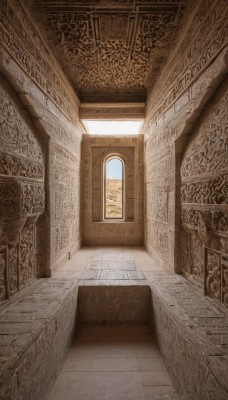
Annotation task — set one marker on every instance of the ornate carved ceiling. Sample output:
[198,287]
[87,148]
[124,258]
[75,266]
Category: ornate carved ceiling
[111,50]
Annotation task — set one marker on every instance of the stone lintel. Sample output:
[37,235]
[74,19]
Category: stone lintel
[112,111]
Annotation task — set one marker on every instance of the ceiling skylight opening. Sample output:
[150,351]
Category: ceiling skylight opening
[113,128]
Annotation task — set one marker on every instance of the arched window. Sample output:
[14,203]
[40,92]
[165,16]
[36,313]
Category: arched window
[114,188]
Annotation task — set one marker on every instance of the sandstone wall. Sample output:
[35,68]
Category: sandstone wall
[22,197]
[204,201]
[96,231]
[40,154]
[196,68]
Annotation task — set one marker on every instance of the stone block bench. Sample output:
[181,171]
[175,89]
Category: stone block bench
[192,334]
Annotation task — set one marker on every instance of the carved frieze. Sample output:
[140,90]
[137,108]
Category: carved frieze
[213,191]
[204,219]
[21,199]
[15,166]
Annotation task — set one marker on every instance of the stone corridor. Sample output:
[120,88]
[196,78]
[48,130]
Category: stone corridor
[114,362]
[121,324]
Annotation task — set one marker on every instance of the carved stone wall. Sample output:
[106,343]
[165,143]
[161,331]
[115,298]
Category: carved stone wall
[95,229]
[195,69]
[53,106]
[22,196]
[67,201]
[204,201]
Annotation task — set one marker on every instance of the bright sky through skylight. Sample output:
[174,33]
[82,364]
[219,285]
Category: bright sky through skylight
[114,169]
[113,127]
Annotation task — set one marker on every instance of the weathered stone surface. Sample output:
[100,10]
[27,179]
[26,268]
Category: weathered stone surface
[181,94]
[204,174]
[191,332]
[185,324]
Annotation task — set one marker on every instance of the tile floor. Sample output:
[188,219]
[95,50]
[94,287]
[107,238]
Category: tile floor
[114,363]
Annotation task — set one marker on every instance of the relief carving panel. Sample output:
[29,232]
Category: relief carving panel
[212,191]
[67,200]
[22,196]
[157,237]
[204,197]
[213,274]
[157,203]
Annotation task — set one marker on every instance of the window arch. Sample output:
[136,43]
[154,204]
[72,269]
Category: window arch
[114,187]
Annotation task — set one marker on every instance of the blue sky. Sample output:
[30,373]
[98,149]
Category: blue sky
[114,169]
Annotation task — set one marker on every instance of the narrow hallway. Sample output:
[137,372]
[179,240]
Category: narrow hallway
[114,355]
[114,362]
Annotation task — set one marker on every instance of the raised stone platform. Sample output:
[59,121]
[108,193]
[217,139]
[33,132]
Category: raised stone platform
[36,329]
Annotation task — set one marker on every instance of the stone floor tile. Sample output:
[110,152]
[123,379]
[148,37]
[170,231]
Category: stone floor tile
[106,364]
[102,385]
[151,364]
[135,275]
[146,350]
[111,274]
[160,393]
[89,274]
[155,378]
[63,393]
[113,265]
[101,350]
